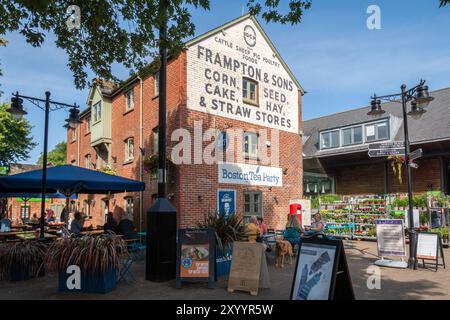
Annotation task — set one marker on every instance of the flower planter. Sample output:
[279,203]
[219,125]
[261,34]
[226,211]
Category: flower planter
[99,283]
[223,263]
[22,274]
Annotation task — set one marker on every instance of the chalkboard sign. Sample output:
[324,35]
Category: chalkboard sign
[196,256]
[429,247]
[321,271]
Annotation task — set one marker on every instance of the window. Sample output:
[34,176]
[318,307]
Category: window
[155,140]
[129,149]
[129,207]
[222,141]
[253,203]
[88,125]
[87,209]
[352,136]
[74,134]
[329,139]
[377,131]
[130,100]
[97,111]
[25,211]
[87,161]
[251,145]
[156,86]
[250,91]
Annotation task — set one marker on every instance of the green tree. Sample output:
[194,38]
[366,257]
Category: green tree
[15,138]
[120,31]
[57,156]
[444,2]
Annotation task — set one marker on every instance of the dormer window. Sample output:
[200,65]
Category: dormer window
[329,139]
[97,112]
[377,131]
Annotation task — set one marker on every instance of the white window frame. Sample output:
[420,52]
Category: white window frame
[246,85]
[129,207]
[250,153]
[88,125]
[129,151]
[156,84]
[252,203]
[352,133]
[155,133]
[129,97]
[376,125]
[331,141]
[97,112]
[87,209]
[87,161]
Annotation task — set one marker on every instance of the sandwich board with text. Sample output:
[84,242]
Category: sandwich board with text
[429,247]
[321,271]
[391,242]
[196,256]
[249,270]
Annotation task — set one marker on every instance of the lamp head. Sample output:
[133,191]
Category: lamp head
[375,107]
[422,97]
[16,108]
[74,118]
[416,111]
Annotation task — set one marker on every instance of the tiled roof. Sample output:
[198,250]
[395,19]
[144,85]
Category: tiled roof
[432,126]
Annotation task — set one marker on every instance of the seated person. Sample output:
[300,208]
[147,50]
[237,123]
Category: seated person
[293,230]
[111,224]
[262,226]
[76,225]
[5,224]
[318,224]
[50,215]
[127,229]
[252,230]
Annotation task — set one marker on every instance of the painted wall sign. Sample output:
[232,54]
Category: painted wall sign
[239,173]
[217,66]
[390,238]
[226,201]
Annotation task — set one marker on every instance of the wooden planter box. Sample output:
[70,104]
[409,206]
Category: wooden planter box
[102,283]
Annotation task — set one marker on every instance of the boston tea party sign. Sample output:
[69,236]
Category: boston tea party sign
[217,67]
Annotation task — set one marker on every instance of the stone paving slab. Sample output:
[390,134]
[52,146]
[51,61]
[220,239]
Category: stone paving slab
[395,284]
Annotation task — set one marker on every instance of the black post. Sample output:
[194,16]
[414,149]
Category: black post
[162,216]
[44,166]
[411,230]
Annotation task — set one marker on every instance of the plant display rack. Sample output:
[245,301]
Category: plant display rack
[353,219]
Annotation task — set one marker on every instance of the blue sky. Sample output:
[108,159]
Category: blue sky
[338,61]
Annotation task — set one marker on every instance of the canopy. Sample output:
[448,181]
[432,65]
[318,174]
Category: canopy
[68,179]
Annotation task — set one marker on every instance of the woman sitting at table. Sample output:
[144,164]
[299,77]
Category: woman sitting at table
[293,230]
[127,228]
[76,226]
[111,224]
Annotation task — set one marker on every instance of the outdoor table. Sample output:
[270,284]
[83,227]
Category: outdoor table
[32,235]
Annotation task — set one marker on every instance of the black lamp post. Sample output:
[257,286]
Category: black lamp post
[162,216]
[17,111]
[420,99]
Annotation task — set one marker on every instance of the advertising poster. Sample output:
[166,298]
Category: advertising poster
[226,201]
[390,238]
[314,274]
[195,251]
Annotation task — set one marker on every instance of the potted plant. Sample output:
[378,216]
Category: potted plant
[228,228]
[22,260]
[98,259]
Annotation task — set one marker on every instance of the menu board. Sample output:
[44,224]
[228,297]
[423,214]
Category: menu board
[390,238]
[196,255]
[427,246]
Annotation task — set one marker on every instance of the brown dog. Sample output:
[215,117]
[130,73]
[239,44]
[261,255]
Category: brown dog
[283,248]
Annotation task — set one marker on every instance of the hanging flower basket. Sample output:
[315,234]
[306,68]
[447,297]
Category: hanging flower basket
[107,170]
[151,164]
[397,164]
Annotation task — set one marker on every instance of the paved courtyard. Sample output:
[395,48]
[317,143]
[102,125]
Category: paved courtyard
[395,283]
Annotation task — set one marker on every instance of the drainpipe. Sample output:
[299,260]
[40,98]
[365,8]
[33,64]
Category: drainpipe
[141,146]
[78,145]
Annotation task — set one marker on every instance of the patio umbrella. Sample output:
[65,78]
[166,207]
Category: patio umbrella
[68,180]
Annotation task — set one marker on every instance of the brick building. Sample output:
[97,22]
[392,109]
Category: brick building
[231,80]
[336,157]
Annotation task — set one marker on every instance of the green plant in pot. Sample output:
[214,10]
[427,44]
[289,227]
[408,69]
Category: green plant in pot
[98,260]
[22,260]
[228,228]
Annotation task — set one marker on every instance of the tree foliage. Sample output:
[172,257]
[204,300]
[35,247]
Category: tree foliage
[120,31]
[444,2]
[15,138]
[57,156]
